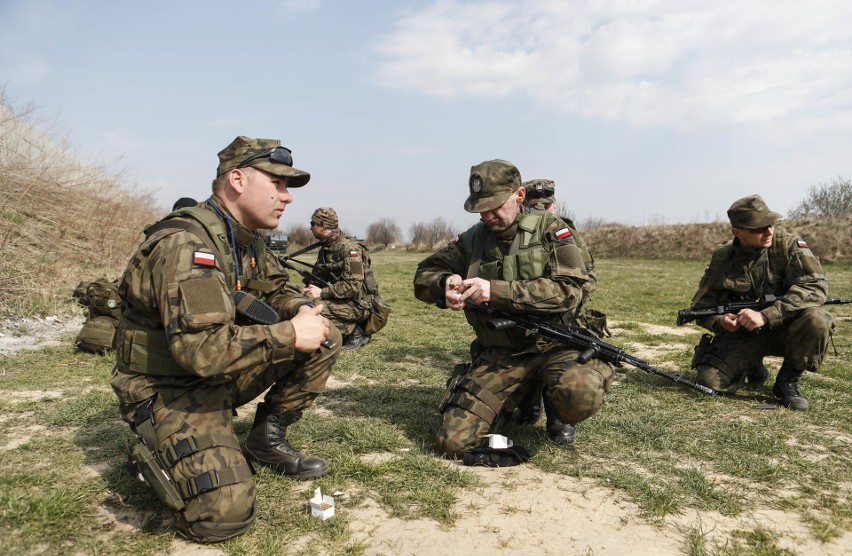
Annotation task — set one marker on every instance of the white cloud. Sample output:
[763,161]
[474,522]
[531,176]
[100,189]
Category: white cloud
[682,63]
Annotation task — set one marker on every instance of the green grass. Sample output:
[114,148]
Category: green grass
[669,449]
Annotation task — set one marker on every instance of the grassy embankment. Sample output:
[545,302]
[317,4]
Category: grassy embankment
[669,449]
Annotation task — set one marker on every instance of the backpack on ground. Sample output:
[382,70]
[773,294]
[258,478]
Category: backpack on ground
[103,305]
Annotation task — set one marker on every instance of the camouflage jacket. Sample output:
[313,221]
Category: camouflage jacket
[345,265]
[178,317]
[787,269]
[555,291]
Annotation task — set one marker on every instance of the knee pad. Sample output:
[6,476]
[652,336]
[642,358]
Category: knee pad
[214,531]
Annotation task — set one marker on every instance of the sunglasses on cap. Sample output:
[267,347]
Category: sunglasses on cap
[279,155]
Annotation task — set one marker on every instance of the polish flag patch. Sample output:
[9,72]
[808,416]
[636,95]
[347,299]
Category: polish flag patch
[204,259]
[353,253]
[802,243]
[563,233]
[706,269]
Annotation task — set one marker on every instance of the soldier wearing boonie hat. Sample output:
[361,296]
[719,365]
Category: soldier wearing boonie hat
[195,341]
[762,260]
[343,262]
[521,261]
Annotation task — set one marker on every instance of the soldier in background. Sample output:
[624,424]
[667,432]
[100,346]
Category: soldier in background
[184,202]
[541,195]
[186,359]
[762,259]
[344,263]
[515,260]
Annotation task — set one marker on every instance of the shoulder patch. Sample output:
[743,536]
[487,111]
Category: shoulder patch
[204,259]
[353,253]
[563,233]
[706,269]
[802,243]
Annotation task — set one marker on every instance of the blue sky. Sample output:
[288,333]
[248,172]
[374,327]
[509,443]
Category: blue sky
[642,111]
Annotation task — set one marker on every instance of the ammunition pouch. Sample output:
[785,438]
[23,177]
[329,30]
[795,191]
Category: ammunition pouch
[97,334]
[700,349]
[595,322]
[375,323]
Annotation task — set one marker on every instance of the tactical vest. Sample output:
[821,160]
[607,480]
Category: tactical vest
[142,346]
[777,256]
[525,261]
[370,286]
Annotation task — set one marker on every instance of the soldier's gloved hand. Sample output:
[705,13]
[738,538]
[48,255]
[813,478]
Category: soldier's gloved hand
[496,457]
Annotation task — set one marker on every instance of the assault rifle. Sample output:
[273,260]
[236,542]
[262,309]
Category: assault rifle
[688,315]
[573,336]
[312,278]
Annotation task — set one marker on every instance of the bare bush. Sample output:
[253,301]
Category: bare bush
[384,232]
[825,200]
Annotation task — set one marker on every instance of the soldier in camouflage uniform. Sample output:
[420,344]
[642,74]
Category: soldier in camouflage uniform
[344,263]
[187,356]
[516,261]
[762,259]
[541,195]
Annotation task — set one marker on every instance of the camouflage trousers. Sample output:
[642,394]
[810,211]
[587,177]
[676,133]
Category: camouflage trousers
[802,341]
[344,315]
[496,382]
[193,423]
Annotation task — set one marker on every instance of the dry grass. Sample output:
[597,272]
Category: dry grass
[61,221]
[829,239]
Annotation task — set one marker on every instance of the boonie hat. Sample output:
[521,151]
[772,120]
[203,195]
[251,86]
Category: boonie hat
[491,184]
[751,212]
[325,217]
[264,154]
[540,192]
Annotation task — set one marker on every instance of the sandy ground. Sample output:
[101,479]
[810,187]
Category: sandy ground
[522,510]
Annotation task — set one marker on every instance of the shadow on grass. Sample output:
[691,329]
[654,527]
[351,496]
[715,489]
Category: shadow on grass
[103,438]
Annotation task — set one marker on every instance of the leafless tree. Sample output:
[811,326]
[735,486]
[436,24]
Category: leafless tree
[384,232]
[826,201]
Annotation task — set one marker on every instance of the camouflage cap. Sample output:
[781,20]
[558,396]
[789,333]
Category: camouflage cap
[491,184]
[751,212]
[326,217]
[540,192]
[242,148]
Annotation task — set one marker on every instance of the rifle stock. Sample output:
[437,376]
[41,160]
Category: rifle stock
[589,346]
[688,315]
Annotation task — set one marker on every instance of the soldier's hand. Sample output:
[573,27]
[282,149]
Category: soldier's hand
[751,320]
[313,291]
[728,322]
[453,289]
[477,290]
[311,329]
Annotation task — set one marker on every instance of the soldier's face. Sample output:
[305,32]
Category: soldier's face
[755,237]
[263,199]
[320,232]
[503,216]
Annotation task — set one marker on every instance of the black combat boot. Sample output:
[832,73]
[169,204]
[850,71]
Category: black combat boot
[757,375]
[786,389]
[267,445]
[355,340]
[557,431]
